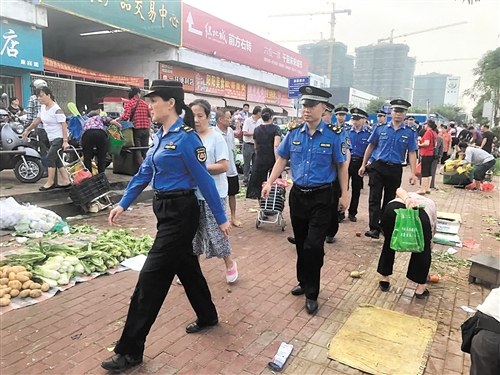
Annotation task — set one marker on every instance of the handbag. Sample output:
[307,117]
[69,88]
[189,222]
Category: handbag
[408,235]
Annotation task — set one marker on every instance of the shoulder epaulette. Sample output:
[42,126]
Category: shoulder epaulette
[292,126]
[413,128]
[186,128]
[335,128]
[368,129]
[380,124]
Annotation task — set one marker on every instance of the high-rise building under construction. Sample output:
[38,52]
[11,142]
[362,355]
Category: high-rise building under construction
[385,70]
[330,60]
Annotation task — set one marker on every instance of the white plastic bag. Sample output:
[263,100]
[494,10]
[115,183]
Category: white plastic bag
[9,213]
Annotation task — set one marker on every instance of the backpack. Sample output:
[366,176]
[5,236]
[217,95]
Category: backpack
[438,148]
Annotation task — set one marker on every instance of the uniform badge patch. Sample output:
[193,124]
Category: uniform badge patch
[384,133]
[170,147]
[343,149]
[348,140]
[404,136]
[325,145]
[296,143]
[201,154]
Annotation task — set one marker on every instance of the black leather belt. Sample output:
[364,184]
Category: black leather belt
[389,163]
[172,194]
[356,158]
[248,143]
[309,190]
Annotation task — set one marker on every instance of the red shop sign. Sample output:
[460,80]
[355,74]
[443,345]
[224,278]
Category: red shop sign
[205,33]
[209,84]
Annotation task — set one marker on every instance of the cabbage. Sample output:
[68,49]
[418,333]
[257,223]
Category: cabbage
[63,280]
[52,283]
[47,272]
[79,269]
[72,260]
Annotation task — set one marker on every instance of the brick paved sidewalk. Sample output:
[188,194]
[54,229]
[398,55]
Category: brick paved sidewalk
[70,333]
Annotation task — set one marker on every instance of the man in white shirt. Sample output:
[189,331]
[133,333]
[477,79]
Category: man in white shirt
[483,161]
[244,113]
[248,148]
[485,346]
[223,120]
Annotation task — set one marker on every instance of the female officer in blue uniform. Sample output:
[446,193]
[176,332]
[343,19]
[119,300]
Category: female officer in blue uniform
[175,166]
[316,153]
[389,144]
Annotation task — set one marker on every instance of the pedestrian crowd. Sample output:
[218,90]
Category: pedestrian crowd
[191,168]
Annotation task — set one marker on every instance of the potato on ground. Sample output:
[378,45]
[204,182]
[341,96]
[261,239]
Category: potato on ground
[25,293]
[35,293]
[4,302]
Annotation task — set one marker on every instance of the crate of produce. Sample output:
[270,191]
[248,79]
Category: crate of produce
[90,189]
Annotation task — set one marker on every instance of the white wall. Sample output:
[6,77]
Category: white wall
[23,11]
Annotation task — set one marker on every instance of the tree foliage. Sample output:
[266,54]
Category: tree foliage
[487,83]
[477,112]
[374,105]
[451,112]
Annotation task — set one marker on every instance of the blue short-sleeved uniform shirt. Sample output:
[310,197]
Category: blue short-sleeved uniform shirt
[359,141]
[391,145]
[176,161]
[314,159]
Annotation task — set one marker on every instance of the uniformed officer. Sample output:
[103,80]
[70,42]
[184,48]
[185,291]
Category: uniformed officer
[327,115]
[381,117]
[316,153]
[175,166]
[338,215]
[388,144]
[340,115]
[358,135]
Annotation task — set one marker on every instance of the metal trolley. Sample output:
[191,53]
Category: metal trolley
[271,208]
[91,194]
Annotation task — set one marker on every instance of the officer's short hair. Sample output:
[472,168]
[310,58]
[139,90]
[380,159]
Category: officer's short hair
[257,110]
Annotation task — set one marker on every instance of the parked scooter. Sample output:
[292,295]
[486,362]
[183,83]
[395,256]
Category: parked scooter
[16,153]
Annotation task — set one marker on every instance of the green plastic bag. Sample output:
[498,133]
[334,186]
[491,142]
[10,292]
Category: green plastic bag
[408,234]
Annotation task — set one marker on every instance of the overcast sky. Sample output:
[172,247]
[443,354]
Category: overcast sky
[371,20]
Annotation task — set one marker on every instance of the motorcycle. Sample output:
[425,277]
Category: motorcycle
[16,153]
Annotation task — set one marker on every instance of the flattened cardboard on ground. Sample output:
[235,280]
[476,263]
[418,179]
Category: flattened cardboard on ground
[401,347]
[448,222]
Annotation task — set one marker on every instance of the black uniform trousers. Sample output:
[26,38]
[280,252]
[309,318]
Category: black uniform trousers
[336,215]
[171,254]
[383,179]
[310,214]
[356,184]
[418,269]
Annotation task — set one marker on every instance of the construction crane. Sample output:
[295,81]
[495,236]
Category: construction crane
[390,39]
[333,18]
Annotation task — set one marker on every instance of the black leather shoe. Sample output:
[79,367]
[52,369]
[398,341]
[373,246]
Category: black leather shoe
[353,218]
[341,218]
[119,363]
[311,306]
[330,239]
[291,240]
[197,327]
[373,234]
[384,286]
[298,291]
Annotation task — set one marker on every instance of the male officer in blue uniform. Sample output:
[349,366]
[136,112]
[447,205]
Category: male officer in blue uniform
[388,144]
[327,115]
[340,115]
[358,134]
[317,153]
[381,117]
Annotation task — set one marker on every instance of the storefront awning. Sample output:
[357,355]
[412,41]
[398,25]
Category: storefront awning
[213,100]
[275,108]
[292,112]
[234,103]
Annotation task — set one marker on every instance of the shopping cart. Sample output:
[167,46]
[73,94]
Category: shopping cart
[271,208]
[92,194]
